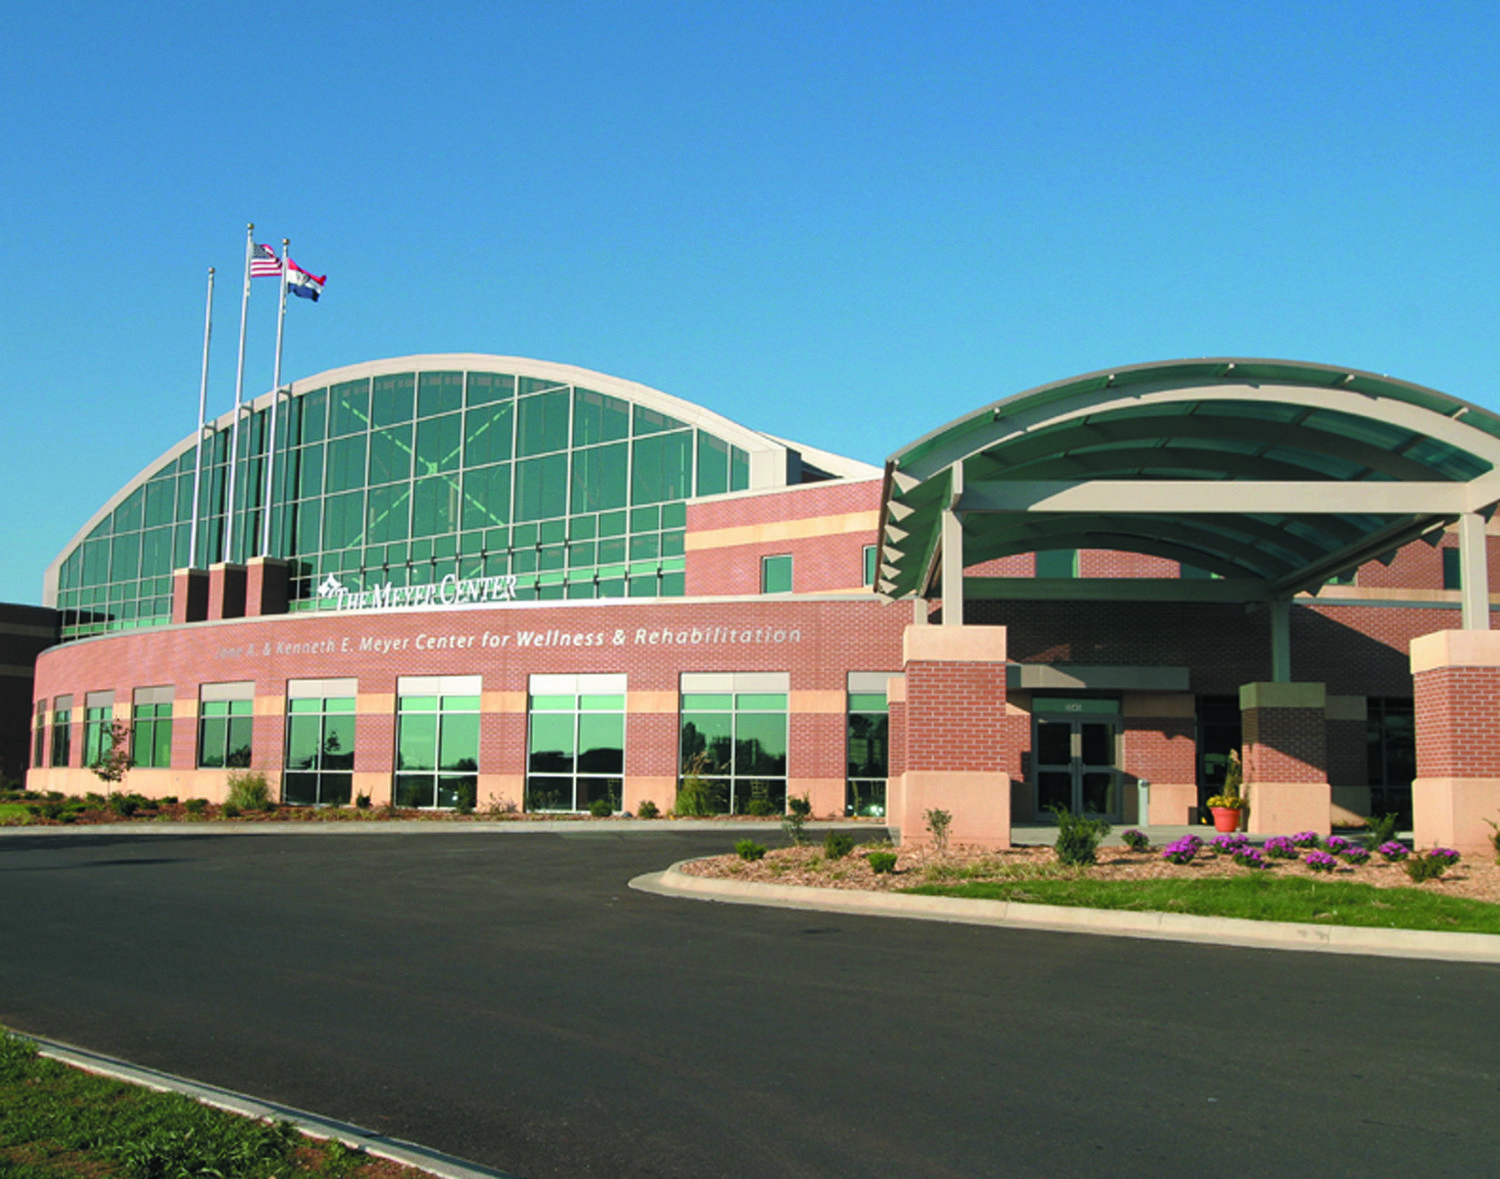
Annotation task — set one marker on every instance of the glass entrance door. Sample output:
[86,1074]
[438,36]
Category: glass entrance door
[1075,766]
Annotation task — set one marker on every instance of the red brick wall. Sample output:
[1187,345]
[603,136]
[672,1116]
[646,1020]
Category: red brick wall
[800,502]
[896,755]
[1020,565]
[955,717]
[1107,563]
[1458,722]
[1285,745]
[1161,748]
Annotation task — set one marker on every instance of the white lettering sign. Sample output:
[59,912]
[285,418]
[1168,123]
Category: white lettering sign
[451,591]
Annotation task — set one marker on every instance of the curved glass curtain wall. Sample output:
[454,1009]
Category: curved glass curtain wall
[409,477]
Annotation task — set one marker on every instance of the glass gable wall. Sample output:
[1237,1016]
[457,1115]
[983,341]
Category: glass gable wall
[407,478]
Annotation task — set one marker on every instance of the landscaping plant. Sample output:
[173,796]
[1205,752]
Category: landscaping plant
[1381,830]
[1183,850]
[647,810]
[938,822]
[1228,844]
[601,808]
[1279,847]
[1394,851]
[1306,839]
[1356,855]
[1430,864]
[1248,857]
[837,845]
[1078,837]
[798,811]
[1136,841]
[1320,861]
[881,862]
[693,799]
[749,850]
[248,791]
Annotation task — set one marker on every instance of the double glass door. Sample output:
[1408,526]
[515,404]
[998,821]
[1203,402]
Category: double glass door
[1075,766]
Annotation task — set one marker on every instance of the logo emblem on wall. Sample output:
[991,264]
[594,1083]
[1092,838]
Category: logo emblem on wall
[331,587]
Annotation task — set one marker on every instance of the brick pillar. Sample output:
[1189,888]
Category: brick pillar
[1284,733]
[226,591]
[1457,679]
[189,595]
[954,755]
[816,744]
[1160,746]
[267,583]
[651,749]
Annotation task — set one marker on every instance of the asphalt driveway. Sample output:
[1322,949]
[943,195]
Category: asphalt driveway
[506,998]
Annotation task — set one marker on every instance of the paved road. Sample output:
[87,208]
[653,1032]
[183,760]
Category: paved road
[507,999]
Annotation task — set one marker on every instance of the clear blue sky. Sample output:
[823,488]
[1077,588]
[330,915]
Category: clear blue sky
[840,223]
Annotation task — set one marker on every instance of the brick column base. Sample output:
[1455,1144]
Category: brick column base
[1286,758]
[1456,674]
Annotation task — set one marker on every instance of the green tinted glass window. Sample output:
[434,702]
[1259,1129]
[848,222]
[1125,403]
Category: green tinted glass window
[392,399]
[435,505]
[776,574]
[388,511]
[439,393]
[599,477]
[739,469]
[662,468]
[542,423]
[312,416]
[484,388]
[597,418]
[438,443]
[346,463]
[348,408]
[486,496]
[390,454]
[713,465]
[160,499]
[1057,563]
[343,520]
[487,431]
[307,471]
[648,421]
[542,487]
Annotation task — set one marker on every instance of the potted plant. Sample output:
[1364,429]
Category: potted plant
[1228,806]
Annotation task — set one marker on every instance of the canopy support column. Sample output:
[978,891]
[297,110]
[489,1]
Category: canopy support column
[1281,641]
[952,540]
[1474,574]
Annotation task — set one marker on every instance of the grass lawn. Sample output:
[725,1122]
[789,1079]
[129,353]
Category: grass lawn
[1259,898]
[59,1121]
[12,810]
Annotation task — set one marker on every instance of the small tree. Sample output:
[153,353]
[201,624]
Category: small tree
[114,760]
[938,822]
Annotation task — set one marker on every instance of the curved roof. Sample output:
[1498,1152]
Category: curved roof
[1278,474]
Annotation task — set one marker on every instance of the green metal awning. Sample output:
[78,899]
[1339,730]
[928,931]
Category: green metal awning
[1275,475]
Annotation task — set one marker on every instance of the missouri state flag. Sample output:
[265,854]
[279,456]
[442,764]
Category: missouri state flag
[303,284]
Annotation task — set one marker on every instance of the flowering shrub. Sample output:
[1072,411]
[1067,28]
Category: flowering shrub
[1393,850]
[1356,855]
[1227,845]
[1306,839]
[1279,847]
[1337,844]
[1136,841]
[1430,864]
[1249,857]
[1320,861]
[1182,851]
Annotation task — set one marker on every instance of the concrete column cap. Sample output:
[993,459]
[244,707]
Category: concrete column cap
[953,644]
[1455,648]
[1275,695]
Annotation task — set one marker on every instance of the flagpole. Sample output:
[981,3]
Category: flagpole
[265,540]
[239,393]
[208,327]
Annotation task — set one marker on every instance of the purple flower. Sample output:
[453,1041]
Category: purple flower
[1446,854]
[1227,845]
[1306,839]
[1183,850]
[1279,847]
[1249,857]
[1394,850]
[1320,861]
[1355,855]
[1136,840]
[1337,843]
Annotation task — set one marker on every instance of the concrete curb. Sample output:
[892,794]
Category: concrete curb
[408,1154]
[1227,931]
[421,826]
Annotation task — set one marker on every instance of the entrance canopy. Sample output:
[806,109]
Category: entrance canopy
[1273,476]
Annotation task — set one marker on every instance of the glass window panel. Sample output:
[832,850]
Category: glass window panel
[673,544]
[392,399]
[125,558]
[439,393]
[552,742]
[308,471]
[645,547]
[709,734]
[581,555]
[128,514]
[439,441]
[739,469]
[612,524]
[311,416]
[776,574]
[601,743]
[611,702]
[487,387]
[349,408]
[542,423]
[346,463]
[713,465]
[459,744]
[343,520]
[306,526]
[597,418]
[542,487]
[390,454]
[435,505]
[304,738]
[388,513]
[760,743]
[487,434]
[648,421]
[487,497]
[160,499]
[416,744]
[599,477]
[662,468]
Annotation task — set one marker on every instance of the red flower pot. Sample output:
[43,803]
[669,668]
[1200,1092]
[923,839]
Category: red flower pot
[1226,818]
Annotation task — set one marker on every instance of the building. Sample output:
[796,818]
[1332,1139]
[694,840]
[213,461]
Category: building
[518,583]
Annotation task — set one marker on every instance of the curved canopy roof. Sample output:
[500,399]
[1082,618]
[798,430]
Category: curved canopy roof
[1275,474]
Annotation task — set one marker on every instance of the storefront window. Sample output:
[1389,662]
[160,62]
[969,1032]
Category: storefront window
[225,722]
[734,740]
[320,729]
[868,745]
[62,730]
[576,742]
[98,715]
[151,728]
[437,741]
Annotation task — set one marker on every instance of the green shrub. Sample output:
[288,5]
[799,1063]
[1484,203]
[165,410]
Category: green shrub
[230,811]
[169,800]
[799,804]
[249,791]
[601,808]
[1078,837]
[798,811]
[362,802]
[938,822]
[881,862]
[1137,841]
[466,797]
[694,801]
[647,810]
[1378,831]
[749,850]
[760,808]
[837,845]
[195,806]
[1430,864]
[124,805]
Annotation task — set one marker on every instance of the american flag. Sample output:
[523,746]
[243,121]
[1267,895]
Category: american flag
[264,263]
